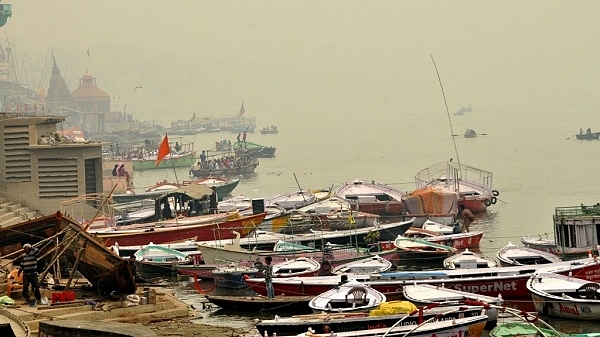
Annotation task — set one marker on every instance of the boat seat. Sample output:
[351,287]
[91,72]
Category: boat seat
[589,290]
[356,295]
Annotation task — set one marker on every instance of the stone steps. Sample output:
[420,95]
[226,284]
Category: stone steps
[14,212]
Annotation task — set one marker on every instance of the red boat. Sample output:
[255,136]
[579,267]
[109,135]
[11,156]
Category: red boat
[202,232]
[510,282]
[374,198]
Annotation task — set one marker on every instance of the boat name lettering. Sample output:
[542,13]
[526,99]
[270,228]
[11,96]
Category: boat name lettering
[458,334]
[487,288]
[568,309]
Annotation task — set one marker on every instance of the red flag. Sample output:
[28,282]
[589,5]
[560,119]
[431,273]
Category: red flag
[242,110]
[163,150]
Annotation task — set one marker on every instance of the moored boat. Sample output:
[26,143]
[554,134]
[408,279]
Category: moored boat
[565,296]
[576,229]
[376,198]
[159,261]
[513,255]
[468,260]
[352,296]
[12,325]
[385,316]
[300,266]
[430,204]
[245,148]
[458,241]
[416,250]
[371,264]
[473,185]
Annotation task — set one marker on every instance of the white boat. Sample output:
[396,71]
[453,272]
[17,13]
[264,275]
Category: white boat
[372,197]
[469,260]
[540,243]
[300,266]
[369,265]
[352,296]
[290,201]
[513,255]
[425,294]
[417,250]
[565,296]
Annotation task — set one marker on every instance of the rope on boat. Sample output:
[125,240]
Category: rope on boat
[199,288]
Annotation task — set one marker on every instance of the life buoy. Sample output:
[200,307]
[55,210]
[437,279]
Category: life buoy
[494,200]
[495,193]
[487,202]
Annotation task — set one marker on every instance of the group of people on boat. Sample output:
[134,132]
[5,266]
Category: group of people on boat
[224,145]
[588,131]
[272,128]
[229,162]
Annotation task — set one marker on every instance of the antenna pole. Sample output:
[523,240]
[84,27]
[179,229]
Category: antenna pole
[447,111]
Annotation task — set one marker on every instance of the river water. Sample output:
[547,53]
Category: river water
[536,161]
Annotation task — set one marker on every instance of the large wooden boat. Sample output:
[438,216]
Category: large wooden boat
[430,204]
[372,197]
[389,313]
[473,185]
[141,158]
[241,165]
[12,325]
[100,266]
[177,231]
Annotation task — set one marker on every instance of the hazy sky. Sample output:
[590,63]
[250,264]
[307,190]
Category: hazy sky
[284,58]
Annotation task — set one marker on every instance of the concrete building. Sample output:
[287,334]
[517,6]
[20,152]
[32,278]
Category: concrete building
[40,169]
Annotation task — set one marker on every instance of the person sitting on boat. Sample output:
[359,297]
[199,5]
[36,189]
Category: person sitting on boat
[589,131]
[167,213]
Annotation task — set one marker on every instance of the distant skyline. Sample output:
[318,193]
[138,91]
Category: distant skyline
[290,58]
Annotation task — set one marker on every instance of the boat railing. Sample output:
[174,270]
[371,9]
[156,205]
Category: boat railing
[86,207]
[452,172]
[575,212]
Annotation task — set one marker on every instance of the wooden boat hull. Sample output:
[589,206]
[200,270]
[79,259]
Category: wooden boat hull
[510,282]
[12,325]
[100,266]
[321,323]
[375,198]
[565,297]
[258,303]
[513,255]
[202,232]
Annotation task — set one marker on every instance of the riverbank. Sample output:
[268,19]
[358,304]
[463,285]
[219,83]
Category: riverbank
[185,328]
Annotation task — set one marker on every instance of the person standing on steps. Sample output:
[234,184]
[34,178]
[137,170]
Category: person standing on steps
[467,216]
[30,274]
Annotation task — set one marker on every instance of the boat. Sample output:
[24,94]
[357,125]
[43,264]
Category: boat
[359,237]
[430,204]
[159,261]
[371,264]
[463,109]
[588,135]
[529,329]
[223,185]
[293,200]
[473,185]
[458,241]
[576,229]
[352,296]
[470,133]
[141,158]
[12,325]
[510,282]
[100,266]
[300,266]
[180,246]
[468,260]
[246,148]
[513,255]
[427,294]
[375,198]
[385,316]
[565,296]
[438,326]
[544,244]
[416,250]
[269,130]
[237,166]
[165,232]
[257,303]
[232,275]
